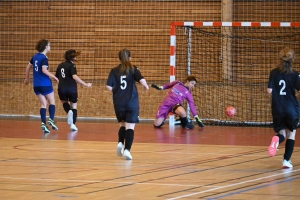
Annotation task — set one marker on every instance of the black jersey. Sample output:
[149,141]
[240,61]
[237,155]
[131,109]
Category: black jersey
[284,86]
[64,73]
[125,94]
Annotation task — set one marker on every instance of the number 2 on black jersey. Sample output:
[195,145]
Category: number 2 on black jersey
[282,82]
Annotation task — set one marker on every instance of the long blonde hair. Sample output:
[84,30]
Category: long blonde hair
[124,57]
[286,57]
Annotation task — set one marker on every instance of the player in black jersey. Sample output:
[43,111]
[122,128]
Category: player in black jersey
[67,88]
[283,83]
[121,81]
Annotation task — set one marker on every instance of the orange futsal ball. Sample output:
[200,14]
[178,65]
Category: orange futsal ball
[230,111]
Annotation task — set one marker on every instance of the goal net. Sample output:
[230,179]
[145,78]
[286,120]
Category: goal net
[232,62]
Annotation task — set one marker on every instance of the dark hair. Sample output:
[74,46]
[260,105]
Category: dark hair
[286,57]
[41,45]
[191,78]
[124,57]
[71,54]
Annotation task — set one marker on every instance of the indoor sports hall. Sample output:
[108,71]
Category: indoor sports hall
[230,46]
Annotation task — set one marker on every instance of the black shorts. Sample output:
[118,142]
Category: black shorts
[44,90]
[68,96]
[129,116]
[281,123]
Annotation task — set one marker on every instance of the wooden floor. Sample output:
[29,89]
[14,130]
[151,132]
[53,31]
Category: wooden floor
[214,162]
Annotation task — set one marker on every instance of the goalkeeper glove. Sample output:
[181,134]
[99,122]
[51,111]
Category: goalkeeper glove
[199,122]
[157,87]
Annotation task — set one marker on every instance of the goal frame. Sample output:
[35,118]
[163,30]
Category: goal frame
[176,24]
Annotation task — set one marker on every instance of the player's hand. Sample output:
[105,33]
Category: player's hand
[55,78]
[199,122]
[26,81]
[158,87]
[89,85]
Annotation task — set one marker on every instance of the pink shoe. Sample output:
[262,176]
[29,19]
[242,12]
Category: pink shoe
[273,146]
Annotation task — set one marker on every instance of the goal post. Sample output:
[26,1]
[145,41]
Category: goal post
[232,62]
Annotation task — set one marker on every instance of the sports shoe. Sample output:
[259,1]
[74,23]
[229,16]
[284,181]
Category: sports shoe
[73,127]
[120,149]
[52,123]
[127,155]
[287,164]
[189,126]
[273,146]
[70,117]
[45,128]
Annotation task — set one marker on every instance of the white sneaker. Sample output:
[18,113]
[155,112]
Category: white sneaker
[70,117]
[287,164]
[120,149]
[73,127]
[127,155]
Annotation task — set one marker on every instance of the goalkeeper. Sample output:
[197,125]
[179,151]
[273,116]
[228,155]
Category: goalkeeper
[172,103]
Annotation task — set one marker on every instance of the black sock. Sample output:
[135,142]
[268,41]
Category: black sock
[183,121]
[74,115]
[43,115]
[66,106]
[51,111]
[281,138]
[289,148]
[122,134]
[129,136]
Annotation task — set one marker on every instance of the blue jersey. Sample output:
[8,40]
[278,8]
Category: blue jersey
[39,78]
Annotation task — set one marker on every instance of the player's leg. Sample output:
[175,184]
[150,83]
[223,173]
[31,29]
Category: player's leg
[121,139]
[73,116]
[131,118]
[121,134]
[161,115]
[159,122]
[279,127]
[43,110]
[49,94]
[289,148]
[179,110]
[129,137]
[292,123]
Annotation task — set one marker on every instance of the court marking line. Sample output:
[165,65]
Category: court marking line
[254,187]
[231,185]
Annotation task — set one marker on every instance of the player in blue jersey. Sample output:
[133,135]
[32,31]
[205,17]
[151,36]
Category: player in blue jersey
[283,83]
[42,84]
[66,72]
[121,81]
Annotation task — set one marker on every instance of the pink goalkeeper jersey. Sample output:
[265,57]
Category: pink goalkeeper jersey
[177,94]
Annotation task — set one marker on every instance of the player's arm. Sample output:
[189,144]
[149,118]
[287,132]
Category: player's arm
[78,80]
[109,88]
[164,87]
[297,86]
[270,84]
[45,71]
[144,83]
[158,87]
[28,67]
[139,78]
[191,103]
[269,90]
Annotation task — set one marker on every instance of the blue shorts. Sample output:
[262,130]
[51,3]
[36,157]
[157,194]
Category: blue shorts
[44,90]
